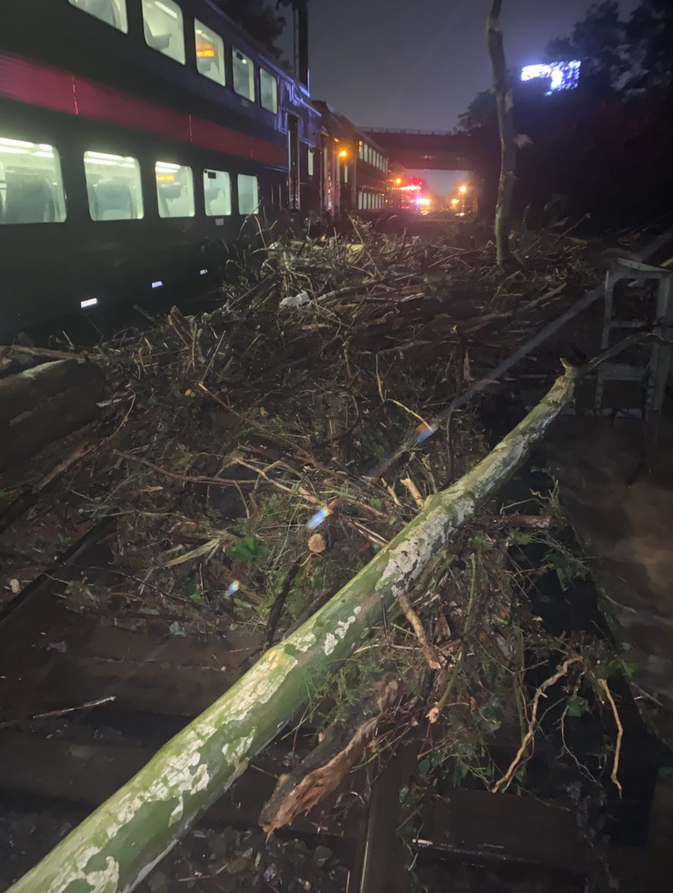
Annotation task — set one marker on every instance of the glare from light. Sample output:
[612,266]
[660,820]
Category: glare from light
[90,302]
[235,586]
[157,284]
[561,75]
[398,181]
[319,517]
[203,272]
[463,189]
[424,431]
[343,153]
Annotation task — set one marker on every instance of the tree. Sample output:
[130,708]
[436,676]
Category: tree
[505,107]
[258,19]
[119,843]
[598,41]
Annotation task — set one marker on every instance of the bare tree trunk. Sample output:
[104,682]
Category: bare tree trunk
[505,105]
[120,843]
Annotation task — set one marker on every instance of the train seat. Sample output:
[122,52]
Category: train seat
[111,200]
[29,199]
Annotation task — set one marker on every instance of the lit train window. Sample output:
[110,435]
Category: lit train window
[112,12]
[248,194]
[345,173]
[310,168]
[113,186]
[361,151]
[175,190]
[163,28]
[209,53]
[244,75]
[268,88]
[217,192]
[31,186]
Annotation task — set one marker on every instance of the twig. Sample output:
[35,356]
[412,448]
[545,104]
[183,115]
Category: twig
[52,713]
[620,735]
[413,491]
[530,734]
[429,652]
[276,610]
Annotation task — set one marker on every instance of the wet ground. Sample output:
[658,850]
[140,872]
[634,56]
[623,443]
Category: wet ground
[616,482]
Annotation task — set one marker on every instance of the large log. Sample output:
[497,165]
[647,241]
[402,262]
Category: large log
[127,836]
[43,404]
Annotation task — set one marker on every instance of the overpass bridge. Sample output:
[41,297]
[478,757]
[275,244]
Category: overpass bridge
[429,150]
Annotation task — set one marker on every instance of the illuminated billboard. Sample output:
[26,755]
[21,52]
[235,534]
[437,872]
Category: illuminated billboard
[561,75]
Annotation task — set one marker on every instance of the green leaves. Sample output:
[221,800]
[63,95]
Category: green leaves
[577,706]
[246,549]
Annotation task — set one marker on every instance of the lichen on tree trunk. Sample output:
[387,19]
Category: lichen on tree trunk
[120,843]
[505,106]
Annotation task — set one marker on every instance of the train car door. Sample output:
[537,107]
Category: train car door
[294,178]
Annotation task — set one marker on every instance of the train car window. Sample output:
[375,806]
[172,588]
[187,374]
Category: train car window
[310,167]
[31,186]
[268,88]
[244,75]
[248,194]
[163,28]
[217,192]
[113,186]
[175,190]
[112,12]
[345,173]
[209,53]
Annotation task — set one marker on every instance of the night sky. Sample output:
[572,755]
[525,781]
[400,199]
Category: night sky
[419,63]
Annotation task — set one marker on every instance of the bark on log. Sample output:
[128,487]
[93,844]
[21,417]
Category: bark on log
[505,106]
[120,843]
[45,403]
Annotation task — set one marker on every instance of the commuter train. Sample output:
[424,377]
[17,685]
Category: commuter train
[137,137]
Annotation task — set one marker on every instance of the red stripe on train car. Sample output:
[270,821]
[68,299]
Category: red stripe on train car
[41,85]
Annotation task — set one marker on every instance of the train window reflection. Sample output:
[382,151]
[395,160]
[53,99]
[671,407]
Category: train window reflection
[112,12]
[31,186]
[248,194]
[163,28]
[244,75]
[268,88]
[113,186]
[175,190]
[217,192]
[209,53]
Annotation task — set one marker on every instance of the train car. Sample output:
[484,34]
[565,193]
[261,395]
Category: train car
[136,137]
[354,169]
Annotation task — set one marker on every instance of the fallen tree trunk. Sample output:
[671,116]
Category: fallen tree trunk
[45,403]
[127,836]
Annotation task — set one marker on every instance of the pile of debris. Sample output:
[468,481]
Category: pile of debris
[254,458]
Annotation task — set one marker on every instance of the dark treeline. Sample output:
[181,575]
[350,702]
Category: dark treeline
[605,148]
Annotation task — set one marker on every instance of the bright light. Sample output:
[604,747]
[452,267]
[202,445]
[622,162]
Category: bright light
[463,189]
[203,272]
[319,517]
[561,75]
[343,153]
[398,182]
[413,187]
[19,144]
[157,284]
[90,302]
[454,201]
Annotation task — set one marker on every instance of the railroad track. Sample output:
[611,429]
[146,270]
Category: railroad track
[113,697]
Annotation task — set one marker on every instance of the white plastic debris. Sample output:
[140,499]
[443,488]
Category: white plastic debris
[296,300]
